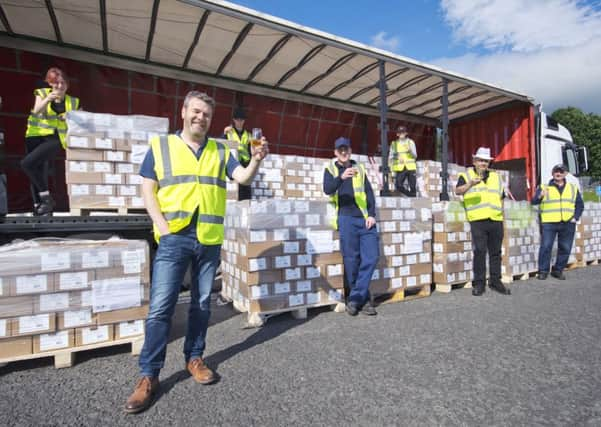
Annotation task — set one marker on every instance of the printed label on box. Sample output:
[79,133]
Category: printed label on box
[131,329]
[396,260]
[282,261]
[303,286]
[291,220]
[256,264]
[32,284]
[258,236]
[3,328]
[281,234]
[117,202]
[319,242]
[54,341]
[103,190]
[116,294]
[78,166]
[335,295]
[297,299]
[313,298]
[413,243]
[78,142]
[411,281]
[54,302]
[138,152]
[282,288]
[131,262]
[301,206]
[86,298]
[291,247]
[104,143]
[91,336]
[292,273]
[113,178]
[115,156]
[56,261]
[260,291]
[425,279]
[127,190]
[31,324]
[125,168]
[424,258]
[95,259]
[334,270]
[411,259]
[76,318]
[313,272]
[311,220]
[303,260]
[396,283]
[80,189]
[70,281]
[404,270]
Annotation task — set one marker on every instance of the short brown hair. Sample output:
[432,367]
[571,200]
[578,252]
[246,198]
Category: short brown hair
[199,95]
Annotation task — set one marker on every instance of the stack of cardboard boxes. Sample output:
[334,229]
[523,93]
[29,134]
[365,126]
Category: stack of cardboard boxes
[521,239]
[103,158]
[452,247]
[429,182]
[60,294]
[588,233]
[281,255]
[405,230]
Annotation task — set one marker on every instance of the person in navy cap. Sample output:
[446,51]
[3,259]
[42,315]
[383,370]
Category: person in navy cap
[345,181]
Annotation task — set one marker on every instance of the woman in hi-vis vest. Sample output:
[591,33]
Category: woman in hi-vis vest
[46,134]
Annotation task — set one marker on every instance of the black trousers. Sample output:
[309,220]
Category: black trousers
[40,151]
[401,177]
[487,235]
[244,192]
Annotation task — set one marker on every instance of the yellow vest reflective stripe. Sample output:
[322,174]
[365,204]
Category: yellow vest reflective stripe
[484,200]
[358,190]
[45,123]
[559,206]
[243,144]
[187,184]
[402,156]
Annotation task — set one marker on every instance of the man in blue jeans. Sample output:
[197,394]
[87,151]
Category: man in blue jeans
[345,181]
[184,192]
[561,206]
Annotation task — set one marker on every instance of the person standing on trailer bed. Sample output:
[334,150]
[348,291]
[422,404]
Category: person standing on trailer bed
[45,135]
[184,192]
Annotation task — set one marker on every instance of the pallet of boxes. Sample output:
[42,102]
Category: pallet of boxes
[281,256]
[103,155]
[588,235]
[61,296]
[521,241]
[404,270]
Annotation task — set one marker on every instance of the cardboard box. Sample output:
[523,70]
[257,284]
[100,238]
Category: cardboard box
[129,329]
[5,328]
[125,315]
[84,177]
[56,341]
[117,272]
[73,280]
[16,306]
[84,155]
[75,318]
[52,302]
[115,156]
[34,324]
[93,335]
[4,287]
[14,347]
[29,284]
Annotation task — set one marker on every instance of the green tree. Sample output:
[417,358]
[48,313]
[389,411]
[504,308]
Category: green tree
[586,130]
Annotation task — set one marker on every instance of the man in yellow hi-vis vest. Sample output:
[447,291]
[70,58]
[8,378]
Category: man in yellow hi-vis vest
[346,183]
[561,206]
[184,192]
[483,194]
[236,132]
[403,156]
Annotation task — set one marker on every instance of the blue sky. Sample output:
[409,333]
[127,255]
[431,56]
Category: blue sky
[547,49]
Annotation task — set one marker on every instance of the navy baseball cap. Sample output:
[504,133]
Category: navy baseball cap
[239,113]
[341,142]
[559,168]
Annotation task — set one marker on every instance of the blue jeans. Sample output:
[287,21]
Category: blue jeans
[360,253]
[174,254]
[565,237]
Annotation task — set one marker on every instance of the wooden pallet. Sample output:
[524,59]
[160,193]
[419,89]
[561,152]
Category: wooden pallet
[575,265]
[65,358]
[107,211]
[516,277]
[448,287]
[257,320]
[408,294]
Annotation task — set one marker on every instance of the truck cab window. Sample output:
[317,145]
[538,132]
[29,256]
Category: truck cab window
[570,160]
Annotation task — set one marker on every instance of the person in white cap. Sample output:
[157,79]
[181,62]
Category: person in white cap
[483,194]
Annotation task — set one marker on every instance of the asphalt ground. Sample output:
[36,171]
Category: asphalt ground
[533,358]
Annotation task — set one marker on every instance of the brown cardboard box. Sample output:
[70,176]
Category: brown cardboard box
[123,144]
[75,318]
[85,155]
[55,341]
[33,325]
[29,284]
[93,335]
[268,276]
[84,178]
[112,202]
[129,329]
[325,259]
[452,247]
[116,272]
[115,156]
[14,347]
[125,315]
[16,306]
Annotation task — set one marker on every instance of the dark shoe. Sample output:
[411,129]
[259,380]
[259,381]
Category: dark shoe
[558,275]
[143,395]
[542,275]
[201,373]
[477,291]
[351,309]
[500,288]
[369,310]
[46,206]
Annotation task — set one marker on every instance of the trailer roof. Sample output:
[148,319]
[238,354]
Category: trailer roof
[224,44]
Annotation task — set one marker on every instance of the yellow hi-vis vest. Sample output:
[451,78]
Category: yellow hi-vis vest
[358,190]
[186,184]
[243,144]
[46,122]
[402,156]
[483,200]
[559,206]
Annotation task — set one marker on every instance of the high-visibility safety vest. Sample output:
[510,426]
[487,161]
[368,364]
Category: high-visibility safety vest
[402,156]
[187,184]
[47,121]
[243,144]
[559,207]
[358,190]
[483,200]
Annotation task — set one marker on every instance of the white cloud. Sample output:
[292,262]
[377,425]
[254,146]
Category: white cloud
[381,41]
[547,49]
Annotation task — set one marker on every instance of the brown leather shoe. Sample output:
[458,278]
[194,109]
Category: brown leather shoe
[143,395]
[200,372]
